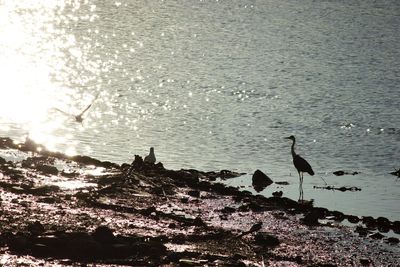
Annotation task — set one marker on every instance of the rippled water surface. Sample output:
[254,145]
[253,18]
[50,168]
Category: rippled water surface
[214,85]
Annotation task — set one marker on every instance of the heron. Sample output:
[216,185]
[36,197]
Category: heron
[300,164]
[151,157]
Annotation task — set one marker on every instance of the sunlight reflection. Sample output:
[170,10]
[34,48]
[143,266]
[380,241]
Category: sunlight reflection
[36,56]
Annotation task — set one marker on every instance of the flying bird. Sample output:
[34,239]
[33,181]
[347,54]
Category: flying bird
[151,157]
[78,117]
[300,164]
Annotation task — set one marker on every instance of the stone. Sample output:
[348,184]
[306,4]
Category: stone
[103,234]
[266,240]
[260,180]
[35,228]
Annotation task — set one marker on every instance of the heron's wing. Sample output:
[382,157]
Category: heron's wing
[62,111]
[302,165]
[86,109]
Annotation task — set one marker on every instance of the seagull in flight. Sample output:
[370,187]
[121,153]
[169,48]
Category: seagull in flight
[78,117]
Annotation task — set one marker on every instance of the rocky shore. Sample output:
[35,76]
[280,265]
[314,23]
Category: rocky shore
[60,210]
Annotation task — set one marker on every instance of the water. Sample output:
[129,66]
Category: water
[214,85]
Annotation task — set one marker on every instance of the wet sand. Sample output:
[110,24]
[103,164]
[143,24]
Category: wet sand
[78,210]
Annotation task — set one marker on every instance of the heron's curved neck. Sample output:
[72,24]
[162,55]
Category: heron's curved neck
[293,153]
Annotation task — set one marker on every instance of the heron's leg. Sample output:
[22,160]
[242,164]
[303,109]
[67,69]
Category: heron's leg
[300,188]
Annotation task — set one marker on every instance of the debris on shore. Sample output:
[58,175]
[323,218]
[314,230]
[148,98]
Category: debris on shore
[60,210]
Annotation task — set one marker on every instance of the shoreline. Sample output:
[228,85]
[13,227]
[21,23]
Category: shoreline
[155,216]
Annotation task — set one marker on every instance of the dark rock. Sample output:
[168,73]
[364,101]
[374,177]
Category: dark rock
[47,169]
[194,193]
[353,219]
[338,173]
[383,222]
[282,183]
[35,228]
[266,240]
[184,200]
[396,173]
[393,240]
[18,242]
[198,222]
[321,213]
[339,216]
[365,262]
[369,221]
[396,227]
[228,210]
[2,161]
[277,193]
[103,235]
[44,190]
[260,180]
[311,218]
[377,236]
[362,231]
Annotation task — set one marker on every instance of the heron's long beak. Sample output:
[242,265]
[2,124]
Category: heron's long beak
[286,137]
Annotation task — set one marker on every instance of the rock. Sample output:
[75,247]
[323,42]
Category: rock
[339,216]
[228,210]
[383,222]
[340,173]
[361,231]
[103,235]
[266,240]
[353,219]
[44,190]
[396,173]
[369,221]
[47,169]
[277,193]
[260,180]
[393,240]
[35,228]
[365,262]
[194,193]
[377,236]
[198,222]
[2,161]
[396,227]
[311,219]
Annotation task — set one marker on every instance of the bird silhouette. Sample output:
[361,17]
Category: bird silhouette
[254,228]
[300,164]
[151,157]
[78,117]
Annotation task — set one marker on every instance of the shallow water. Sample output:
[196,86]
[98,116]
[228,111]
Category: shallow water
[214,85]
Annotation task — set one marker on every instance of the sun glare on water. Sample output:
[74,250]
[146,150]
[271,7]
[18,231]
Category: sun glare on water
[29,56]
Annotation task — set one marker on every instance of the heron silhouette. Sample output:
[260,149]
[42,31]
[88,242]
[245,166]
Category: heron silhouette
[301,165]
